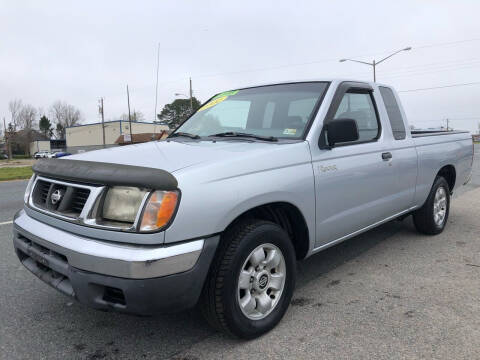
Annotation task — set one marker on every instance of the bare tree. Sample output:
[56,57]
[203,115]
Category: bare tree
[65,114]
[15,107]
[26,121]
[135,115]
[27,117]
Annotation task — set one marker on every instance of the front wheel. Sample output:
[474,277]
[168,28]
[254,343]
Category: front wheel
[251,281]
[432,217]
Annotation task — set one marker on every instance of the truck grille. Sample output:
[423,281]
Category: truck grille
[61,198]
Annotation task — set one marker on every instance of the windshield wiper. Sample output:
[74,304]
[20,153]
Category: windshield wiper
[240,134]
[180,133]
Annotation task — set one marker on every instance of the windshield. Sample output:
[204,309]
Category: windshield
[282,111]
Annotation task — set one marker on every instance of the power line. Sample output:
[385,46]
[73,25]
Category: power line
[440,87]
[462,62]
[404,72]
[446,43]
[416,70]
[434,71]
[428,67]
[320,61]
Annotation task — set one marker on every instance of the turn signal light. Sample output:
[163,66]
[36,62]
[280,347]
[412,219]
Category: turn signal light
[159,210]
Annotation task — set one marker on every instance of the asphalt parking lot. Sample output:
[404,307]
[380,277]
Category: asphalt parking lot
[389,293]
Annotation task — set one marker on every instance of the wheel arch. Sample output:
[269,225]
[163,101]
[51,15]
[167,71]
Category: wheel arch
[287,216]
[449,173]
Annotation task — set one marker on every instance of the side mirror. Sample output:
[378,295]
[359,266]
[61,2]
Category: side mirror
[341,130]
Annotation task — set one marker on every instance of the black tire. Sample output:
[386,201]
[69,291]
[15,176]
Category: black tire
[423,218]
[219,303]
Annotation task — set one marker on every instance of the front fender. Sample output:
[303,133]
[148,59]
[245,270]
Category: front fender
[208,208]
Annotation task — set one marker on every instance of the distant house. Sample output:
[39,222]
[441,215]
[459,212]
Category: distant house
[47,145]
[87,137]
[39,145]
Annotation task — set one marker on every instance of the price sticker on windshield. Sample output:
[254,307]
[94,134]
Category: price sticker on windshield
[213,103]
[218,99]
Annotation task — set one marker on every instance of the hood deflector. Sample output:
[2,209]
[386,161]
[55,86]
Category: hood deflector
[93,172]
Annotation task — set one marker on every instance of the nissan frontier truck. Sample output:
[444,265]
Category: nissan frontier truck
[218,214]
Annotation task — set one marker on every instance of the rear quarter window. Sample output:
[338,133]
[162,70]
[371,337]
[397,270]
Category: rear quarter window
[394,114]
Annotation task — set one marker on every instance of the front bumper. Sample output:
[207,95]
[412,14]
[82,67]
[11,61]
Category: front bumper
[128,278]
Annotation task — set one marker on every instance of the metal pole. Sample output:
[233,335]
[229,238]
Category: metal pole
[375,63]
[103,121]
[129,116]
[447,124]
[7,142]
[156,86]
[191,96]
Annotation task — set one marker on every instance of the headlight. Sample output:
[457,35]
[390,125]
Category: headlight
[122,203]
[159,210]
[28,189]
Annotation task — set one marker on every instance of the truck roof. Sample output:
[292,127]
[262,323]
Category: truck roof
[331,80]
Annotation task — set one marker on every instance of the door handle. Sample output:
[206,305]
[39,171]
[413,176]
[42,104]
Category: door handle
[386,156]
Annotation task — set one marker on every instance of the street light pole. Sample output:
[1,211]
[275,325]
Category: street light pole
[191,96]
[374,72]
[156,85]
[188,96]
[374,63]
[103,120]
[129,116]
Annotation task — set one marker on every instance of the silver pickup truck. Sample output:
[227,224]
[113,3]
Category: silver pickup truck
[219,213]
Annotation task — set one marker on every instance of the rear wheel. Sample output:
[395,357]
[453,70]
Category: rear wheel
[432,217]
[251,281]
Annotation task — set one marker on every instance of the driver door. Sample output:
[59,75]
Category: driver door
[352,179]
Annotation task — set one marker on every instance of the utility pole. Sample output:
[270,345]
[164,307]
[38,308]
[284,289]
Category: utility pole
[103,120]
[447,124]
[191,96]
[129,116]
[156,86]
[7,142]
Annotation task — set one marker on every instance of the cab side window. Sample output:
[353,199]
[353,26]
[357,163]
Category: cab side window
[360,107]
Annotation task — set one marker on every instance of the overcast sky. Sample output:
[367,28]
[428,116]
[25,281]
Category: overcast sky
[83,50]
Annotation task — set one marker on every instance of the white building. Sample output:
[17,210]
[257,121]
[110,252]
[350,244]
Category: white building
[90,136]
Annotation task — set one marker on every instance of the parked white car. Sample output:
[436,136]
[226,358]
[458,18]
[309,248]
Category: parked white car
[41,154]
[51,155]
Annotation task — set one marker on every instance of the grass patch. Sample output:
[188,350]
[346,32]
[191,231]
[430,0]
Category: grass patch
[13,173]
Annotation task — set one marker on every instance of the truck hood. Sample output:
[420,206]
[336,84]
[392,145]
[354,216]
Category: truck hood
[173,156]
